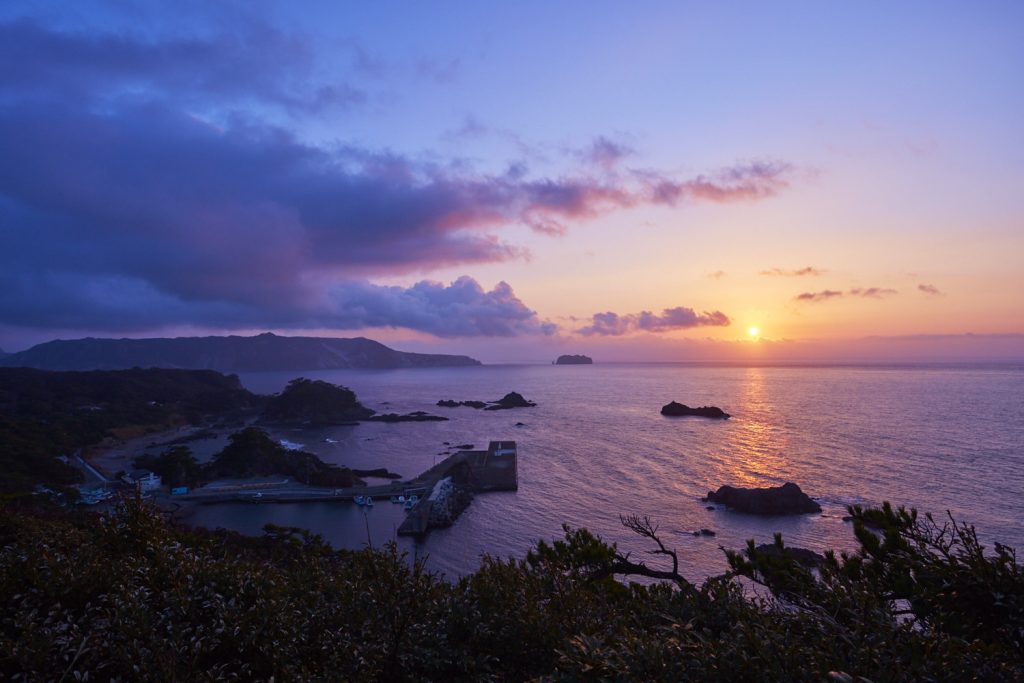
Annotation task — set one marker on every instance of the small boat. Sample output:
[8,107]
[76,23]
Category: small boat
[369,501]
[359,500]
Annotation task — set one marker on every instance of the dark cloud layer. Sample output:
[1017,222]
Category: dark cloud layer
[679,318]
[141,185]
[253,62]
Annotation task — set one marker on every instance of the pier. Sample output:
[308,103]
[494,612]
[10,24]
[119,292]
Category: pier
[479,471]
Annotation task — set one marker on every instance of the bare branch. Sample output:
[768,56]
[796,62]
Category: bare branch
[643,526]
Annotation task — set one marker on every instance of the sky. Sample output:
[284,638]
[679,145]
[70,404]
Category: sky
[655,181]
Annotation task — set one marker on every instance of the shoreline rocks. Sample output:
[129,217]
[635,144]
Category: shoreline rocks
[418,416]
[787,499]
[379,473]
[807,558]
[674,409]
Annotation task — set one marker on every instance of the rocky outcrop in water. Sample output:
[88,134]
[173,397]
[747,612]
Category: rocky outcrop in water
[509,400]
[447,403]
[418,416]
[787,499]
[674,409]
[803,556]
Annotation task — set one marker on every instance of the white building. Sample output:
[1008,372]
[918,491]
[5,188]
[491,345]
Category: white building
[144,479]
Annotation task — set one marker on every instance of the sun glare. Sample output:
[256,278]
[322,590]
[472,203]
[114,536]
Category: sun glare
[754,332]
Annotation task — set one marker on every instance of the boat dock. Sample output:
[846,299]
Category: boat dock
[494,469]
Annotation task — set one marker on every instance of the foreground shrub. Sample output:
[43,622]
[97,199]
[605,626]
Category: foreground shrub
[128,597]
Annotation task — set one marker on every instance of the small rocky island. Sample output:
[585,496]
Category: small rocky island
[787,499]
[674,409]
[512,399]
[314,402]
[574,360]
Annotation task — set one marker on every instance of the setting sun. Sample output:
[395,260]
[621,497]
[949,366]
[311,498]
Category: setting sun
[753,332]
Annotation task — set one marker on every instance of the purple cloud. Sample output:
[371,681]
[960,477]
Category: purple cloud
[461,309]
[823,295]
[930,290]
[861,292]
[794,272]
[605,153]
[679,318]
[743,182]
[872,292]
[141,186]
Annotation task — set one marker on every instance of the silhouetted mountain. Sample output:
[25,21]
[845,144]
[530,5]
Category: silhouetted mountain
[230,354]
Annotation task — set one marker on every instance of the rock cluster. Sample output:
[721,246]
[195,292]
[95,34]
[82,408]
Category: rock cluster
[674,409]
[418,416]
[447,501]
[509,400]
[787,499]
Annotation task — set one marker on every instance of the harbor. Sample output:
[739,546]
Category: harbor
[464,472]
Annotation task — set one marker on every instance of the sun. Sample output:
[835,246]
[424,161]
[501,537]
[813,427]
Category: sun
[754,332]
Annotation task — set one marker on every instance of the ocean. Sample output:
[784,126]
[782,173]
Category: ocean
[934,437]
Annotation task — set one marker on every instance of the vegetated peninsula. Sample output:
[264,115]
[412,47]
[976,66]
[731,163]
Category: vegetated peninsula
[45,415]
[308,401]
[574,360]
[266,351]
[48,417]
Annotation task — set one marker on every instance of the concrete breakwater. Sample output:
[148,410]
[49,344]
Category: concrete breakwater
[458,477]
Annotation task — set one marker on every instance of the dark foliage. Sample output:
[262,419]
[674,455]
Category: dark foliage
[315,402]
[127,597]
[47,414]
[251,453]
[176,467]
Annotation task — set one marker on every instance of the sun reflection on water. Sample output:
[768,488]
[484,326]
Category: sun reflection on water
[757,445]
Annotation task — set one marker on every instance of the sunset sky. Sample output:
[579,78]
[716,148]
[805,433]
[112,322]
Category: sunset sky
[634,181]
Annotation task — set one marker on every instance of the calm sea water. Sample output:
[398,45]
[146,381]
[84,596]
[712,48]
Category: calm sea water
[933,437]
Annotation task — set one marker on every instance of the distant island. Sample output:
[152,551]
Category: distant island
[574,360]
[264,352]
